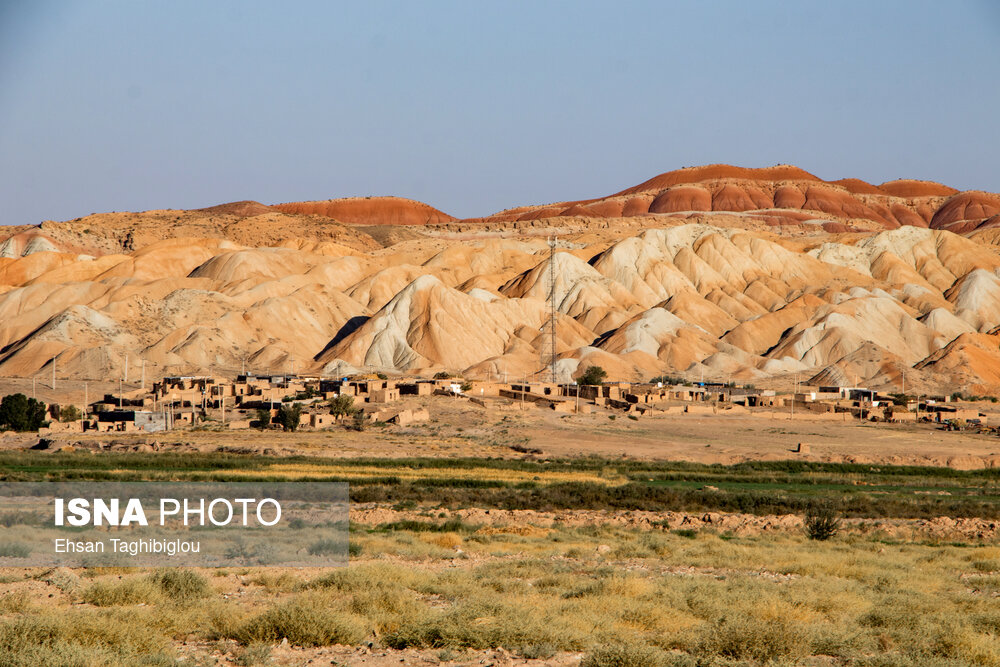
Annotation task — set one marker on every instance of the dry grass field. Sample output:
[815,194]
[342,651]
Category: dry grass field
[594,562]
[439,593]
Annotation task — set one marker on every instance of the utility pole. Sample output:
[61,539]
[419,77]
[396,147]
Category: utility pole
[119,393]
[223,411]
[126,367]
[86,399]
[548,346]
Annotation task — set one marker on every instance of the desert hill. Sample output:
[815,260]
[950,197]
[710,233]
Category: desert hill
[370,210]
[783,196]
[719,272]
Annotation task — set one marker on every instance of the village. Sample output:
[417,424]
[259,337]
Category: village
[294,402]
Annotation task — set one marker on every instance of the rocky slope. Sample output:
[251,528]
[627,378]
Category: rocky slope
[718,272]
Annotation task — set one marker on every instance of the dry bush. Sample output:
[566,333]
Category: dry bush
[281,582]
[80,638]
[131,591]
[181,585]
[304,621]
[15,602]
[390,610]
[745,637]
[256,655]
[625,655]
[443,540]
[163,585]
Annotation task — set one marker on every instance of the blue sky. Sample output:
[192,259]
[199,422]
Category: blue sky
[478,106]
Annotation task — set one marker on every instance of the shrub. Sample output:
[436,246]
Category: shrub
[181,585]
[20,413]
[14,550]
[594,375]
[442,375]
[16,602]
[130,591]
[247,553]
[325,547]
[742,637]
[304,622]
[255,655]
[263,418]
[359,422]
[625,655]
[821,523]
[542,651]
[91,638]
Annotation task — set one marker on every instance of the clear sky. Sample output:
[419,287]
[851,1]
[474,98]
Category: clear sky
[478,106]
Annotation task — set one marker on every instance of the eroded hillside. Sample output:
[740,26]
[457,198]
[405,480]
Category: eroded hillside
[715,271]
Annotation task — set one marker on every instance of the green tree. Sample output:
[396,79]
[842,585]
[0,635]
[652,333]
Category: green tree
[593,375]
[20,413]
[263,418]
[70,413]
[288,416]
[342,406]
[359,422]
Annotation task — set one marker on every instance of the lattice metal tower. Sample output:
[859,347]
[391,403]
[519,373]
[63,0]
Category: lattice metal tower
[548,347]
